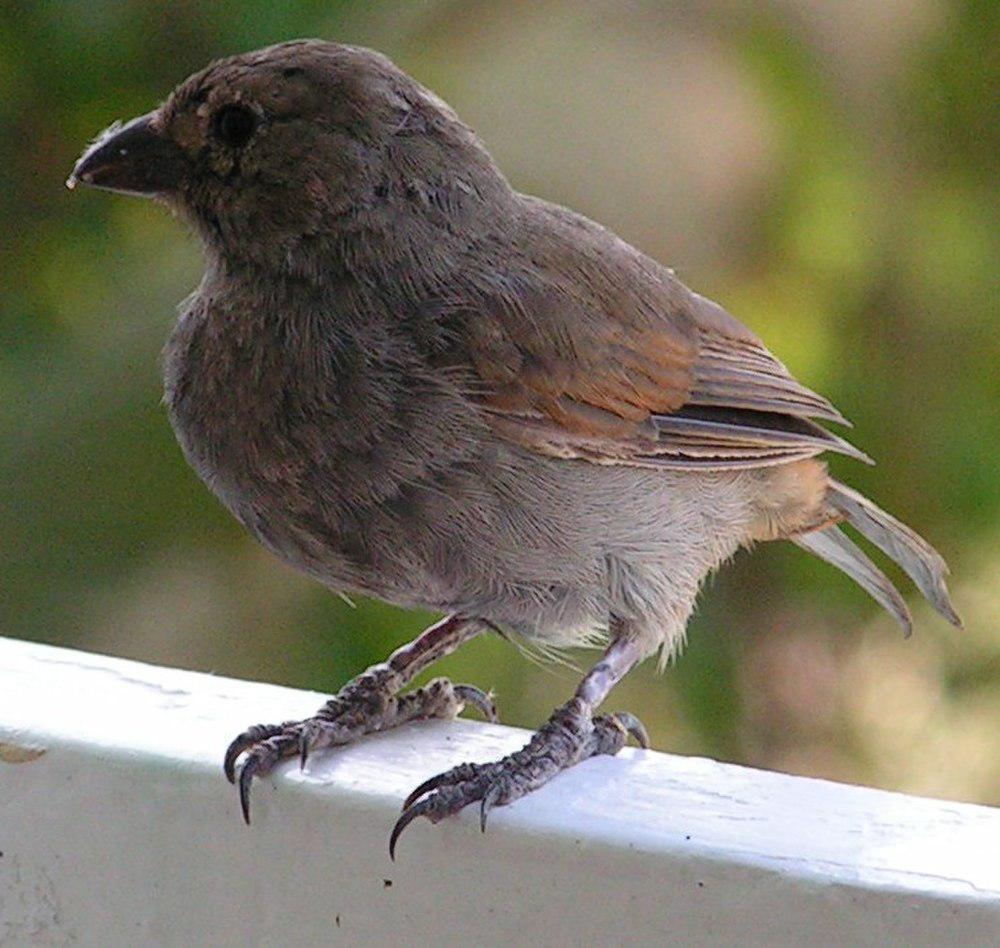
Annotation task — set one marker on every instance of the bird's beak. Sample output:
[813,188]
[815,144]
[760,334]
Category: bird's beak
[135,158]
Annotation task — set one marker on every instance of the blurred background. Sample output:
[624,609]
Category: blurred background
[827,169]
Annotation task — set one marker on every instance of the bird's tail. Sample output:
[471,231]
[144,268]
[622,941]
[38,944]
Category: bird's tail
[915,555]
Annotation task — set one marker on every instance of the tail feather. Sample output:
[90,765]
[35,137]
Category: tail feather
[839,550]
[913,553]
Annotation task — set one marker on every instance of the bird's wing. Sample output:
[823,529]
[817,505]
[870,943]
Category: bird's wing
[595,351]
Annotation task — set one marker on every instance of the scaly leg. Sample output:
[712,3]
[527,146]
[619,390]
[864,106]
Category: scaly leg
[572,734]
[367,703]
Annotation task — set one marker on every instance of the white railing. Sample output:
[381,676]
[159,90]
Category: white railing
[118,828]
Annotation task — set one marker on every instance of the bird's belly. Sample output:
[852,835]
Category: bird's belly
[553,548]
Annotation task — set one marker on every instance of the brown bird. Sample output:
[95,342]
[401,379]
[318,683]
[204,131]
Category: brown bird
[410,381]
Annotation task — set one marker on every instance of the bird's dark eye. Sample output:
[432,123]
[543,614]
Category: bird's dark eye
[234,124]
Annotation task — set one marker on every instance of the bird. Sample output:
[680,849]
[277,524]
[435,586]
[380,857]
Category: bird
[410,381]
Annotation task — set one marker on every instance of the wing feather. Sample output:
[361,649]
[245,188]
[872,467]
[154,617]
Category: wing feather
[740,374]
[594,351]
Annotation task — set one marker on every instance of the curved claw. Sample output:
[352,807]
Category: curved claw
[634,727]
[405,819]
[229,761]
[252,735]
[489,801]
[304,739]
[246,779]
[457,774]
[479,699]
[425,787]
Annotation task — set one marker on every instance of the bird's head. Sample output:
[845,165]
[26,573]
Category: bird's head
[274,154]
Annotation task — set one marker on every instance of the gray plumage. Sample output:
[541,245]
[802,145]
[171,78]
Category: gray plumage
[409,380]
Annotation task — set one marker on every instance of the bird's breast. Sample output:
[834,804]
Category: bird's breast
[309,440]
[222,391]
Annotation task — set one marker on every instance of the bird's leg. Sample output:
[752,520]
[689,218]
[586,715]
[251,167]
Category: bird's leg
[571,735]
[369,702]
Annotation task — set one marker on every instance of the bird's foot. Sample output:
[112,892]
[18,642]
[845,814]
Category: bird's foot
[366,704]
[572,734]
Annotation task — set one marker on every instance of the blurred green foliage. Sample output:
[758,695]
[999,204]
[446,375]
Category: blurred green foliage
[851,220]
